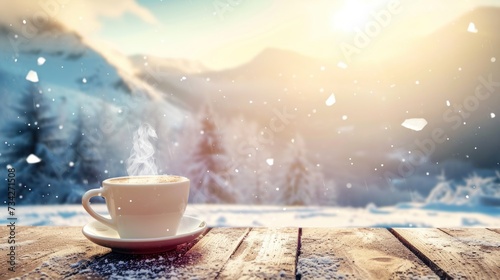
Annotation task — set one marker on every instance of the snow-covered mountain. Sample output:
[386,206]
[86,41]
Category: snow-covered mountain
[171,77]
[358,139]
[68,114]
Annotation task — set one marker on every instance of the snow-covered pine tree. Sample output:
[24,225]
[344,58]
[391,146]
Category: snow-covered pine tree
[249,161]
[208,171]
[298,180]
[182,146]
[17,130]
[39,126]
[258,175]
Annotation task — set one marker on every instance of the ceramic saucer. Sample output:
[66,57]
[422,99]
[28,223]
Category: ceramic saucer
[100,234]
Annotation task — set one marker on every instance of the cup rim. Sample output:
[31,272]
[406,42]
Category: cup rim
[108,181]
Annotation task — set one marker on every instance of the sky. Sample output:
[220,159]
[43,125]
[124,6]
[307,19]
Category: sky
[225,33]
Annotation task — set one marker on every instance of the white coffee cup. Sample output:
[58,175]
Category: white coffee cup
[142,206]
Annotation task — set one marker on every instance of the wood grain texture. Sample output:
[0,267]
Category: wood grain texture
[209,255]
[456,253]
[48,252]
[357,253]
[63,252]
[128,266]
[497,230]
[242,253]
[202,258]
[265,253]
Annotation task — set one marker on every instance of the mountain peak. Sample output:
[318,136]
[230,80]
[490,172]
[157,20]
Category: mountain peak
[279,55]
[173,65]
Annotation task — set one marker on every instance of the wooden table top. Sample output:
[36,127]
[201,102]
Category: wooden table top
[270,253]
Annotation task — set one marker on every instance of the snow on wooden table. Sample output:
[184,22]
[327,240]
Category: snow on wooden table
[50,252]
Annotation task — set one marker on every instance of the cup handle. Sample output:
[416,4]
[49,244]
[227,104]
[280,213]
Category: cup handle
[86,204]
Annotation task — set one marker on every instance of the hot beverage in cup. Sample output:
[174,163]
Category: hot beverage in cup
[142,206]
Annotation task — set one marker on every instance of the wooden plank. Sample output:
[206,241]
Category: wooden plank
[209,255]
[153,266]
[497,230]
[48,252]
[456,254]
[358,253]
[486,239]
[202,258]
[487,243]
[265,253]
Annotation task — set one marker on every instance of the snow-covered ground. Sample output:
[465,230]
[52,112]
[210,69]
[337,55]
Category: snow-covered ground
[402,215]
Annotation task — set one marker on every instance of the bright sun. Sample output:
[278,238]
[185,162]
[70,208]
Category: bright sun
[353,14]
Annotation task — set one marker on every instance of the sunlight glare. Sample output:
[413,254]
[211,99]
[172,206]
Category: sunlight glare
[353,14]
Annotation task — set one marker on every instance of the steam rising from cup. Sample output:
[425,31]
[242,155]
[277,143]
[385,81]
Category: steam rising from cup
[141,160]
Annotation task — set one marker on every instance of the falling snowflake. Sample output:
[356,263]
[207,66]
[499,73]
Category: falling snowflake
[270,161]
[416,124]
[32,159]
[331,100]
[32,76]
[40,61]
[342,65]
[472,28]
